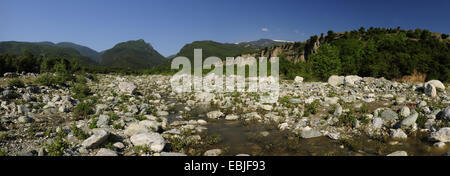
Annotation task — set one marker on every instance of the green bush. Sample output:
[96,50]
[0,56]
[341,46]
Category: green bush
[16,82]
[83,110]
[79,133]
[81,91]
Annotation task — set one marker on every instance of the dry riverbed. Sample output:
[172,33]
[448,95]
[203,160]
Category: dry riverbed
[140,115]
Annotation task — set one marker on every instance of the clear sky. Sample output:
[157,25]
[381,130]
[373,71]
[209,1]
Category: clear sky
[170,24]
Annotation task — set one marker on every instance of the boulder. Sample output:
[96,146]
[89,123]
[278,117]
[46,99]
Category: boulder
[398,153]
[127,88]
[436,83]
[336,80]
[308,132]
[430,90]
[106,152]
[405,111]
[152,140]
[351,80]
[377,123]
[298,79]
[410,120]
[389,116]
[444,114]
[99,137]
[213,152]
[135,128]
[214,114]
[443,135]
[231,117]
[398,134]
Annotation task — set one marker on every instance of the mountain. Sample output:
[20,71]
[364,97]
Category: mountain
[85,51]
[132,54]
[262,43]
[47,49]
[212,48]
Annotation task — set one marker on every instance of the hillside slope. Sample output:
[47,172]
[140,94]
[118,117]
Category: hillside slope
[132,54]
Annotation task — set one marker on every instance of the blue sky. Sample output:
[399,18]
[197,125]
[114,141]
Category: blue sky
[170,24]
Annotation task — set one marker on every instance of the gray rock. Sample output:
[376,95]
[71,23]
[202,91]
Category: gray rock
[106,152]
[389,116]
[172,154]
[336,80]
[135,128]
[99,137]
[430,90]
[298,79]
[24,119]
[351,80]
[338,111]
[398,134]
[149,124]
[436,83]
[127,88]
[405,111]
[443,135]
[444,114]
[103,121]
[214,114]
[410,120]
[398,153]
[231,117]
[152,140]
[377,122]
[213,152]
[310,133]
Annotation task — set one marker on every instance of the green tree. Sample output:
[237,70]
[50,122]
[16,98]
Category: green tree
[326,61]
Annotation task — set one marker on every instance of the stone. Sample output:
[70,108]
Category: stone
[231,117]
[351,80]
[430,90]
[127,88]
[100,108]
[172,154]
[135,128]
[398,153]
[404,112]
[444,114]
[336,80]
[334,136]
[213,152]
[119,145]
[338,111]
[331,100]
[439,144]
[389,116]
[99,137]
[410,120]
[106,152]
[103,121]
[298,79]
[308,132]
[443,135]
[267,107]
[149,124]
[377,122]
[436,83]
[398,134]
[24,119]
[152,140]
[214,114]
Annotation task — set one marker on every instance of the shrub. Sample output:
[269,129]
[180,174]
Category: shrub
[81,91]
[93,123]
[79,133]
[57,147]
[16,82]
[83,110]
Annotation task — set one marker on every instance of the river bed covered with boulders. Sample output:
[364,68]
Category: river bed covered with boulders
[140,115]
